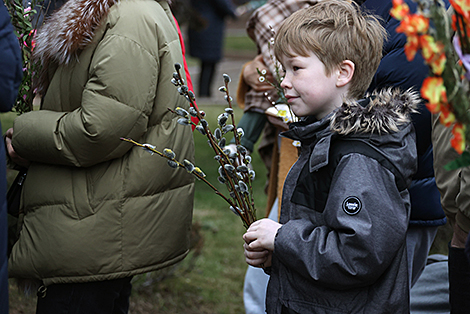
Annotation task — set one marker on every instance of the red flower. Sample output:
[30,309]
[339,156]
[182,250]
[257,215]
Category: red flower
[438,63]
[434,54]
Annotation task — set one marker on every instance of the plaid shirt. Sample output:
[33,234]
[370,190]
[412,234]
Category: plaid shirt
[272,14]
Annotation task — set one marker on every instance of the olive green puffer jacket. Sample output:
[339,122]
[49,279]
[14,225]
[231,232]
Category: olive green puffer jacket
[98,208]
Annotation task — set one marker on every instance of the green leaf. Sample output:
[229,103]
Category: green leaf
[462,161]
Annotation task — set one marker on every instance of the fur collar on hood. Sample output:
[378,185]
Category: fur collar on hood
[66,32]
[70,30]
[384,112]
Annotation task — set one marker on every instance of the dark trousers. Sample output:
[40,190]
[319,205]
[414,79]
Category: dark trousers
[100,297]
[205,78]
[459,281]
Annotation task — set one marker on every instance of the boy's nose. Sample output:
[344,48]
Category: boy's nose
[285,83]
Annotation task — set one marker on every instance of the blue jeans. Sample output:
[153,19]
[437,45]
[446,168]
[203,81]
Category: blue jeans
[99,297]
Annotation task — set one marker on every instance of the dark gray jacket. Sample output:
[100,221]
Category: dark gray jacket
[349,257]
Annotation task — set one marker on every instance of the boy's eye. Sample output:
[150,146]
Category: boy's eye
[295,68]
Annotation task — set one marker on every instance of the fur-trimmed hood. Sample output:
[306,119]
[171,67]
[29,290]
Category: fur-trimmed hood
[68,31]
[65,33]
[382,120]
[381,112]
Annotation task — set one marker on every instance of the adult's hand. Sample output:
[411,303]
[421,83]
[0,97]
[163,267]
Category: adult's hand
[17,159]
[459,237]
[252,77]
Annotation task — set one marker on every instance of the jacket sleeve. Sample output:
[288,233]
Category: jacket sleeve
[453,185]
[10,62]
[116,102]
[352,249]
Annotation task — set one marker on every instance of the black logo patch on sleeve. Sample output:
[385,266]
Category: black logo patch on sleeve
[352,205]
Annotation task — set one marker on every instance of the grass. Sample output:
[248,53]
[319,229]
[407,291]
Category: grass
[239,44]
[210,279]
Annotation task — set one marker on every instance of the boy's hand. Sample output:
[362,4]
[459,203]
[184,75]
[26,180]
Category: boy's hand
[257,258]
[259,242]
[260,235]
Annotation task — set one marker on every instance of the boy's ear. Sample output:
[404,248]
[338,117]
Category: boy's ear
[346,72]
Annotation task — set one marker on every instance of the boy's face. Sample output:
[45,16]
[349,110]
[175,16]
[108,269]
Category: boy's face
[309,91]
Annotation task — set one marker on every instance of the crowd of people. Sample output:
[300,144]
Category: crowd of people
[352,212]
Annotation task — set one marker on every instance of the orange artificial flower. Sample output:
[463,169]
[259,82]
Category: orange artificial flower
[434,91]
[430,47]
[462,7]
[434,54]
[411,47]
[433,108]
[463,27]
[399,10]
[438,64]
[458,141]
[413,24]
[446,117]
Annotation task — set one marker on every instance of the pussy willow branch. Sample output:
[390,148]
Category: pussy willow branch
[245,204]
[242,155]
[195,173]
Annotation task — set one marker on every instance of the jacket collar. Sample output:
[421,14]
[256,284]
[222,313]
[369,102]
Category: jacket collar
[381,112]
[385,112]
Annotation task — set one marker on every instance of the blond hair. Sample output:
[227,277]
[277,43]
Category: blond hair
[335,31]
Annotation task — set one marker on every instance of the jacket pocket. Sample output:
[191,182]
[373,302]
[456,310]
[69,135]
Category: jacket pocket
[80,193]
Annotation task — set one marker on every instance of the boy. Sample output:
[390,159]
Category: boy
[340,244]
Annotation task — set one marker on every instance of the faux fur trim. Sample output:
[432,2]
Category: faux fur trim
[69,30]
[387,110]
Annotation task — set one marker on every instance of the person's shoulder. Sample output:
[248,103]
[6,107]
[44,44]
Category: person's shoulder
[142,8]
[141,16]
